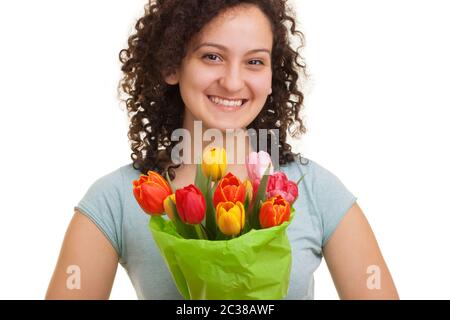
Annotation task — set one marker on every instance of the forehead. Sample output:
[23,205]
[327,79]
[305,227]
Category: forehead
[243,27]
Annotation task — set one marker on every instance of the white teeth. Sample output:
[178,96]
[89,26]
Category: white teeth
[228,103]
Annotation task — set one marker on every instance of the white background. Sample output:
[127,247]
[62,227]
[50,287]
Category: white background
[376,109]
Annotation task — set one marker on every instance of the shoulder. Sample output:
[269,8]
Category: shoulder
[114,181]
[316,174]
[106,192]
[104,202]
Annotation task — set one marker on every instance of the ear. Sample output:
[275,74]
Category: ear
[172,79]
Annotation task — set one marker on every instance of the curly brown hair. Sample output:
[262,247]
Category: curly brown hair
[157,48]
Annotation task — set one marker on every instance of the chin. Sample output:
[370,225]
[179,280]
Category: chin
[224,124]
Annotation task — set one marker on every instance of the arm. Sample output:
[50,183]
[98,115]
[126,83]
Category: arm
[86,247]
[350,251]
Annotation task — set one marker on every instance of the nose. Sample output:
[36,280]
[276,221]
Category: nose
[232,79]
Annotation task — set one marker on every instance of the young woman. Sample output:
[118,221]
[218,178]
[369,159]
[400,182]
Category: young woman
[228,64]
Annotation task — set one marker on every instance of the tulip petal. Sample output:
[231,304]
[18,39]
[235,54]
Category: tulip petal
[191,204]
[257,164]
[153,196]
[230,217]
[229,188]
[229,224]
[267,215]
[214,163]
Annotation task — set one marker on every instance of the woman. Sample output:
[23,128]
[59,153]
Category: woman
[228,64]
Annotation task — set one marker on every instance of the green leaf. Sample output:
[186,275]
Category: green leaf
[216,183]
[210,223]
[301,179]
[247,215]
[260,197]
[246,202]
[204,184]
[201,181]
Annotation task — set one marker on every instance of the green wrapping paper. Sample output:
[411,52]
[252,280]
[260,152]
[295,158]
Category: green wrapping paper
[253,266]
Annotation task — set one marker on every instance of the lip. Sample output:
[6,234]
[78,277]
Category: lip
[227,108]
[224,98]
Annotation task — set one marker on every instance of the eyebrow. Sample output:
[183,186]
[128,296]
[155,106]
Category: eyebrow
[210,44]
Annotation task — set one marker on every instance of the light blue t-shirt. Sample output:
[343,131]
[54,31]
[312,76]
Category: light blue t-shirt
[109,202]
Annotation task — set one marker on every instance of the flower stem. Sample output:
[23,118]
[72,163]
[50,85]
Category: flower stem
[199,231]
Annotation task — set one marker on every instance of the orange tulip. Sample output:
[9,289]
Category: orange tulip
[230,189]
[274,212]
[230,217]
[150,191]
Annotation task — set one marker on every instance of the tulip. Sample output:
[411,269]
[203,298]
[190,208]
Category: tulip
[150,191]
[169,203]
[274,212]
[185,230]
[214,163]
[191,204]
[230,217]
[248,190]
[279,184]
[257,164]
[229,189]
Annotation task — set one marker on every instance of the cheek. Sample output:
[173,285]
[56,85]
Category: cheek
[261,84]
[197,78]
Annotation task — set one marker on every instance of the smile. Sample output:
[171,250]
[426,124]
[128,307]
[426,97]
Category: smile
[236,103]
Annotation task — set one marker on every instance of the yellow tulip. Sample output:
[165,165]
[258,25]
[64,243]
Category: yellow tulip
[248,190]
[169,206]
[214,163]
[230,217]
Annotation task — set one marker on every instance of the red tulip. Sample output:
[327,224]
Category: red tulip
[229,189]
[191,204]
[274,212]
[150,192]
[279,184]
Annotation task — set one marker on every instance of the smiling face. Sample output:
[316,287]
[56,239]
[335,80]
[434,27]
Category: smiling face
[226,76]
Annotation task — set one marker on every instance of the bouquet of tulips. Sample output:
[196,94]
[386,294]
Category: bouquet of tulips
[223,239]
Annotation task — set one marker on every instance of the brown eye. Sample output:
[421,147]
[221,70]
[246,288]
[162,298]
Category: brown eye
[257,61]
[210,57]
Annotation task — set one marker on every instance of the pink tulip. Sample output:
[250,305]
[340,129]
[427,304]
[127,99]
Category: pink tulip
[257,164]
[255,185]
[279,184]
